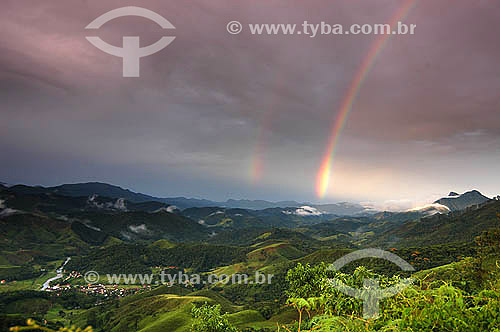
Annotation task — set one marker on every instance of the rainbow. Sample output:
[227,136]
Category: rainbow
[264,128]
[257,165]
[325,170]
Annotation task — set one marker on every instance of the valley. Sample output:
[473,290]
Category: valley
[43,230]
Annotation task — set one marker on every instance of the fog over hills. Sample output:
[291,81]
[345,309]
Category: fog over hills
[113,191]
[453,201]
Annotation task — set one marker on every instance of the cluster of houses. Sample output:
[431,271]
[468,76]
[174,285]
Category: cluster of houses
[100,289]
[95,289]
[73,275]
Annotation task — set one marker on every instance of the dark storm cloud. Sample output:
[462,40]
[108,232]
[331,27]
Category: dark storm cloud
[191,123]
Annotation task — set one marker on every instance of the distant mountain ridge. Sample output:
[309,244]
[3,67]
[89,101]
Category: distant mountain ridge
[107,190]
[453,201]
[113,191]
[257,204]
[456,202]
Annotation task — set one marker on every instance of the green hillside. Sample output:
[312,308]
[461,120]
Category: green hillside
[457,273]
[459,226]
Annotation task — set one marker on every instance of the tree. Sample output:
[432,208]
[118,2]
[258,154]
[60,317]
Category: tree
[489,241]
[208,318]
[307,281]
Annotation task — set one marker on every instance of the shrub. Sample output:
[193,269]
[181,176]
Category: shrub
[208,318]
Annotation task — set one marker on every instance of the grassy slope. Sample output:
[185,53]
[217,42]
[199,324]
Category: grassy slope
[176,320]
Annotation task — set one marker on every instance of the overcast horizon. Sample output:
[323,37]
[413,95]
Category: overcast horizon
[216,115]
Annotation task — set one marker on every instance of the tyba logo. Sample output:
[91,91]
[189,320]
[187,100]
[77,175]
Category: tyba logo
[130,52]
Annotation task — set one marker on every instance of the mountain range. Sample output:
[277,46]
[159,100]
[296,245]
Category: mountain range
[112,191]
[454,201]
[97,212]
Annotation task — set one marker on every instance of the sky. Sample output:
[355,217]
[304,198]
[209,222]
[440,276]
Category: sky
[219,116]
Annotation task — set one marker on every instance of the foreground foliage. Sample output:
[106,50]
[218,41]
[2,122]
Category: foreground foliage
[464,296]
[208,318]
